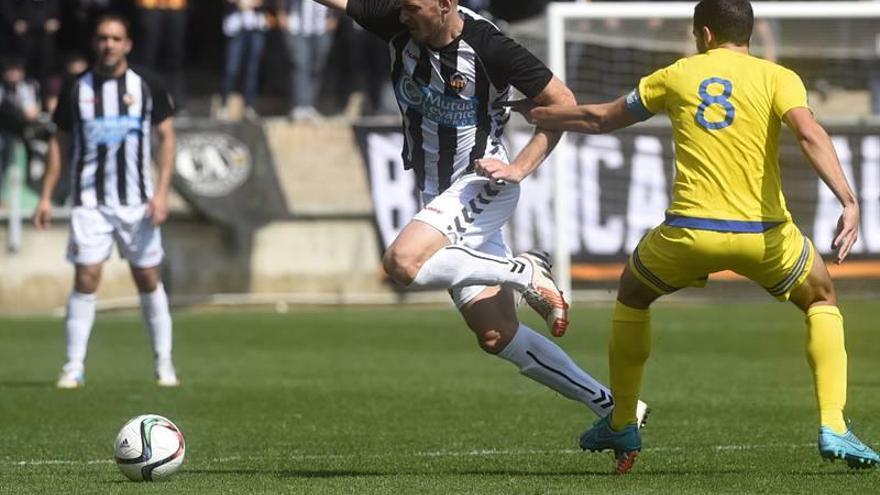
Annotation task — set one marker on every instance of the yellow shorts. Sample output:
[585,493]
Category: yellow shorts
[669,258]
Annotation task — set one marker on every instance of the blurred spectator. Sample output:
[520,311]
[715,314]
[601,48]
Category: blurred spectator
[366,68]
[74,64]
[33,26]
[244,25]
[82,15]
[308,29]
[20,102]
[163,31]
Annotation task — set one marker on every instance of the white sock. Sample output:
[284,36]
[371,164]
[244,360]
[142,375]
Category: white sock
[455,266]
[78,326]
[545,362]
[157,318]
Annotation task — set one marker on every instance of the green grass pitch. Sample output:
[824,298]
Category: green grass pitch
[396,401]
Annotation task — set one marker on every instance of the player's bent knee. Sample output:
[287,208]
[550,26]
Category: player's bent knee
[492,341]
[633,293]
[401,267]
[817,289]
[86,280]
[493,334]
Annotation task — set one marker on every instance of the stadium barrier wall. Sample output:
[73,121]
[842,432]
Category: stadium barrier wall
[322,242]
[619,185]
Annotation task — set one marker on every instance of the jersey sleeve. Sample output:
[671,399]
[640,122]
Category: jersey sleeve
[789,92]
[380,17]
[651,93]
[62,117]
[163,103]
[508,62]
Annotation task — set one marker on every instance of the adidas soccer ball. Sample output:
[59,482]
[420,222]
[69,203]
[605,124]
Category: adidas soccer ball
[149,448]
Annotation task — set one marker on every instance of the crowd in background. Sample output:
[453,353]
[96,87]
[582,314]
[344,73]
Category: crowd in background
[268,51]
[42,42]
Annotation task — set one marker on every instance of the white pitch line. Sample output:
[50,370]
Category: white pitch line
[430,454]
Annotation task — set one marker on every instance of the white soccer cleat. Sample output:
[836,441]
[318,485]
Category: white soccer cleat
[166,376]
[543,295]
[642,412]
[71,378]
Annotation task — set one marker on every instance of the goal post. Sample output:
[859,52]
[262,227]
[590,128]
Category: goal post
[833,45]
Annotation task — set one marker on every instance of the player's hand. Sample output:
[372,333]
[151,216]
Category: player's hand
[847,232]
[497,170]
[43,214]
[157,209]
[524,107]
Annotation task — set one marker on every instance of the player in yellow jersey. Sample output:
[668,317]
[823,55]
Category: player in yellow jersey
[728,212]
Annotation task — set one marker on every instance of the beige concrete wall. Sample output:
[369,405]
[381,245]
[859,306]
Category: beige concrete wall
[293,257]
[321,174]
[320,167]
[38,278]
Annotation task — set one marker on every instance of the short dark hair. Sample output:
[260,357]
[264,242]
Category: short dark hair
[729,20]
[114,17]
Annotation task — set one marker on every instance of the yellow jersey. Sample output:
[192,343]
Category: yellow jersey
[726,110]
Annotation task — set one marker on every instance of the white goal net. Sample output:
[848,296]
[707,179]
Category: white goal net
[601,50]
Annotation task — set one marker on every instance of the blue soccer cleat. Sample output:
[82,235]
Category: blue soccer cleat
[626,443]
[847,447]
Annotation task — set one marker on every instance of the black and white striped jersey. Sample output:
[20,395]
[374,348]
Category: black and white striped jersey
[448,96]
[109,121]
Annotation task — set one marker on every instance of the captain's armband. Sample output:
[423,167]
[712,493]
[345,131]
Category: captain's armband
[635,106]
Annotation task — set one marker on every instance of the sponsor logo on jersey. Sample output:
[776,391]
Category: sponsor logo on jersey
[111,130]
[213,164]
[449,111]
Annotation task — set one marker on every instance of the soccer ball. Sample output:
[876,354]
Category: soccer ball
[149,448]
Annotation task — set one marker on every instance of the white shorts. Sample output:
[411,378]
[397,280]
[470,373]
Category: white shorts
[94,230]
[472,213]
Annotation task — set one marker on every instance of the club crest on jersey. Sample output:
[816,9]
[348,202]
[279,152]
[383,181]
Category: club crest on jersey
[457,82]
[128,99]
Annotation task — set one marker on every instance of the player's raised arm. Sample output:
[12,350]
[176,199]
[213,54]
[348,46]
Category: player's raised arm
[817,147]
[555,95]
[596,118]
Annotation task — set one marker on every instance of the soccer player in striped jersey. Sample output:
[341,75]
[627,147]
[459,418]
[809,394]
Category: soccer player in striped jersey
[728,212]
[450,69]
[104,120]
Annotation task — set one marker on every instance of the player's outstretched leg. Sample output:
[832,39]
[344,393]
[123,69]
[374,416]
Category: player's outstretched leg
[542,293]
[626,443]
[846,447]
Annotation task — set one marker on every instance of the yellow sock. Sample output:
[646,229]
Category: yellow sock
[628,350]
[827,356]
